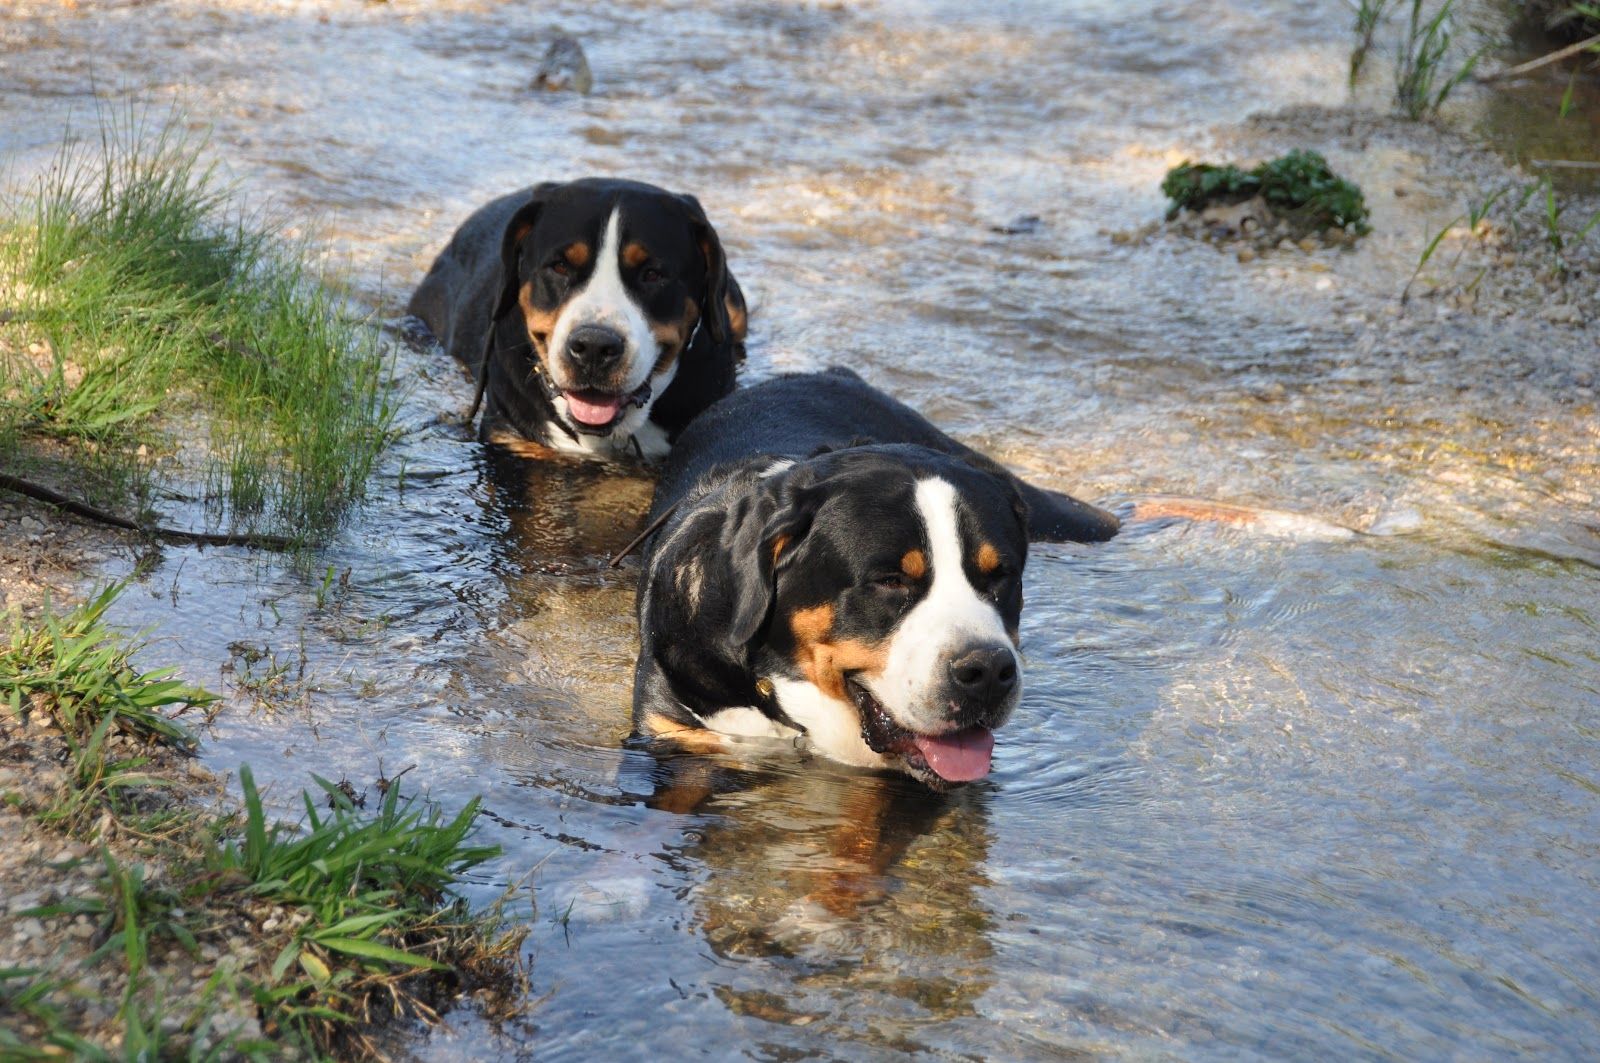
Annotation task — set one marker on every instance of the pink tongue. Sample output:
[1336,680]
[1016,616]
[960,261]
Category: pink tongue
[596,413]
[959,757]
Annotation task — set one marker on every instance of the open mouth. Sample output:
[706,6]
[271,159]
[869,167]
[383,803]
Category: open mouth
[937,760]
[597,412]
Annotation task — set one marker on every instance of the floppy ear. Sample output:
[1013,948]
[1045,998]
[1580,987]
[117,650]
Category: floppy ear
[723,297]
[759,536]
[517,227]
[505,296]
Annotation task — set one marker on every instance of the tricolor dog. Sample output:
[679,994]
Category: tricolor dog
[598,316]
[830,565]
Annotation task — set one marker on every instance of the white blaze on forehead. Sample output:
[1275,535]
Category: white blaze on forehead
[605,300]
[951,617]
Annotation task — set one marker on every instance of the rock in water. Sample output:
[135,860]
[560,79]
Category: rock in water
[564,67]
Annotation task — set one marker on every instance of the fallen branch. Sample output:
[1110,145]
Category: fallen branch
[176,535]
[1564,164]
[1543,60]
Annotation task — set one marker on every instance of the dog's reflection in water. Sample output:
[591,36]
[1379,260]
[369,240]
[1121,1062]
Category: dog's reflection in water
[850,883]
[563,514]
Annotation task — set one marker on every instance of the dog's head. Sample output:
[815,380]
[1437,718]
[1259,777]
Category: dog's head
[877,590]
[614,280]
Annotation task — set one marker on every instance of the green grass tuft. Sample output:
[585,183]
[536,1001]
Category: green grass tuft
[355,912]
[1299,184]
[154,297]
[1421,85]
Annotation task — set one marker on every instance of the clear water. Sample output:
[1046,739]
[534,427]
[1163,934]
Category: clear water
[1266,796]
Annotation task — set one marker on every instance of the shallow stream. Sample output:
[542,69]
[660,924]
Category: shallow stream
[1267,795]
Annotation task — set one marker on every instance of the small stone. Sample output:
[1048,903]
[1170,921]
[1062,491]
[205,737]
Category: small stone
[1286,244]
[563,67]
[31,525]
[1309,245]
[1246,254]
[1562,314]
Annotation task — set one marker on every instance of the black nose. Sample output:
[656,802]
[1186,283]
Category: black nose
[595,349]
[985,674]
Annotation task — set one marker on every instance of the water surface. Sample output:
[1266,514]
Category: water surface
[1266,796]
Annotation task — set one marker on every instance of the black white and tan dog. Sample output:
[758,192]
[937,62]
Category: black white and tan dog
[829,564]
[598,316]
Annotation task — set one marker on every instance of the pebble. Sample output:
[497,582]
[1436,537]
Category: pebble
[564,66]
[1309,245]
[1562,314]
[31,525]
[1246,254]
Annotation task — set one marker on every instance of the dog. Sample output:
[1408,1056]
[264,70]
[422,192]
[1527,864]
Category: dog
[597,316]
[828,564]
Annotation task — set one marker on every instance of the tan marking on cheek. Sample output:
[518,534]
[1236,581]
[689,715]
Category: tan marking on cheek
[811,625]
[738,318]
[914,564]
[988,558]
[831,660]
[825,663]
[689,739]
[777,549]
[577,255]
[635,255]
[672,336]
[538,321]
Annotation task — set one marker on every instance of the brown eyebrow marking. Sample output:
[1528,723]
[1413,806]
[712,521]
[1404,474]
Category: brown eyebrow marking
[577,255]
[988,558]
[777,549]
[634,255]
[914,564]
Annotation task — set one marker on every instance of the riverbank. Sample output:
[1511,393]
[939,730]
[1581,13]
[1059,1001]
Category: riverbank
[152,911]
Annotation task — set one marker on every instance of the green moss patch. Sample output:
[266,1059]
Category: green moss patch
[1299,187]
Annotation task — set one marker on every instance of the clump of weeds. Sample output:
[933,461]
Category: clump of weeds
[142,306]
[314,933]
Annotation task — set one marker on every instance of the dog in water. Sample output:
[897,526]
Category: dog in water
[830,565]
[598,316]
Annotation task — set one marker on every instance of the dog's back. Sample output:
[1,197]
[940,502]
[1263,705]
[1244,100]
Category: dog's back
[794,416]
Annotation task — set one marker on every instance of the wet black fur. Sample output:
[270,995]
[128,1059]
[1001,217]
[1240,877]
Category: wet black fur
[468,300]
[847,516]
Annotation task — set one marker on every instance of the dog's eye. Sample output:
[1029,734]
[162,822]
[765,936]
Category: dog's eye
[999,582]
[650,275]
[559,267]
[892,583]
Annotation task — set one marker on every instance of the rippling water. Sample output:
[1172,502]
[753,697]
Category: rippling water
[1266,795]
